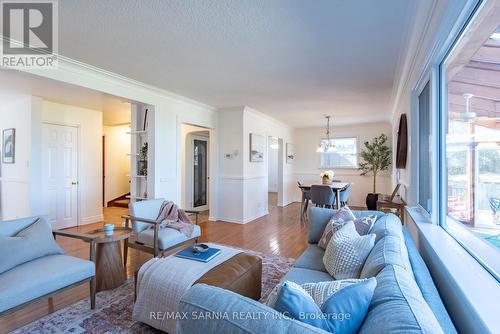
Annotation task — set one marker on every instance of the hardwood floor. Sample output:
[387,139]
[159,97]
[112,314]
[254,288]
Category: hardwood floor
[278,233]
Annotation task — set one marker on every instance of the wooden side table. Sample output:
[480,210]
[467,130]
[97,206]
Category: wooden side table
[398,204]
[110,270]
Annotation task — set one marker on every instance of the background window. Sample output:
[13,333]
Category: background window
[345,156]
[424,154]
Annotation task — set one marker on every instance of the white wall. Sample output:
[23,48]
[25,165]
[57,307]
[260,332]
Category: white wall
[117,163]
[272,166]
[243,185]
[170,111]
[15,194]
[256,182]
[307,161]
[89,124]
[229,173]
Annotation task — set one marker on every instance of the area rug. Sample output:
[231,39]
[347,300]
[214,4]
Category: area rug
[113,313]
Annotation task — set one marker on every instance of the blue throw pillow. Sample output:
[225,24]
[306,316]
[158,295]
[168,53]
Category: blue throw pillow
[342,312]
[295,303]
[31,243]
[346,309]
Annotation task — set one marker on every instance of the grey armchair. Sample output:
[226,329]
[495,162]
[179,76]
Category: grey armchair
[148,236]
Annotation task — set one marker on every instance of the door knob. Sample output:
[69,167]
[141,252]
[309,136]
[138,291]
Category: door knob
[74,183]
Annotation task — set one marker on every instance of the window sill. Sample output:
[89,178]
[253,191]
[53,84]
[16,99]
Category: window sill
[470,293]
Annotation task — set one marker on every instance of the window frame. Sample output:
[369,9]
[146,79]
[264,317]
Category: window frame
[429,77]
[477,248]
[341,167]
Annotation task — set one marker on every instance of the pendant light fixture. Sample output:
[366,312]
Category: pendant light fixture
[468,115]
[329,146]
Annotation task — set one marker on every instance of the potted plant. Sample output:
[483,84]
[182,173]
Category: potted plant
[327,176]
[377,158]
[142,162]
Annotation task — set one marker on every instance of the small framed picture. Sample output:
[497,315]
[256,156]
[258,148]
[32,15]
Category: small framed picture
[9,146]
[290,153]
[256,148]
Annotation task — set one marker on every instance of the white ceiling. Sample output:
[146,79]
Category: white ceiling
[115,110]
[294,60]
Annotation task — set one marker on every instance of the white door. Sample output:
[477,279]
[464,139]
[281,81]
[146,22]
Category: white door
[59,174]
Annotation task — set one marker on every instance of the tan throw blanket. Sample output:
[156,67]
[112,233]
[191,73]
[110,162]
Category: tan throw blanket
[172,217]
[161,283]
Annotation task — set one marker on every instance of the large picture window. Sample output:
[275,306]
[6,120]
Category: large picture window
[471,140]
[344,156]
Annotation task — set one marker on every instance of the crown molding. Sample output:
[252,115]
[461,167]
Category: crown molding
[408,62]
[69,65]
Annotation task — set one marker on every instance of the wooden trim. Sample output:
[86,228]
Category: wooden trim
[50,294]
[104,171]
[142,220]
[139,246]
[76,235]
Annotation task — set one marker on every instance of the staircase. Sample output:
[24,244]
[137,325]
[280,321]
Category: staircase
[121,201]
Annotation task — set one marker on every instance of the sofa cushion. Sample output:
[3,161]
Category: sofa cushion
[388,250]
[167,237]
[362,225]
[312,258]
[337,306]
[319,291]
[40,277]
[296,303]
[9,228]
[426,286]
[244,315]
[302,275]
[388,224]
[319,217]
[346,309]
[33,242]
[149,209]
[398,306]
[347,251]
[338,219]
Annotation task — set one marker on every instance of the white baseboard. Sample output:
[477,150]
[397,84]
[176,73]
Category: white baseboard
[248,220]
[237,221]
[91,219]
[226,220]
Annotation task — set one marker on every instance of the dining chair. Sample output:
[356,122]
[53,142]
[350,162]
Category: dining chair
[306,197]
[344,195]
[322,196]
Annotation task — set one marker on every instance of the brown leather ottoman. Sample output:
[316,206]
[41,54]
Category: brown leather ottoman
[241,274]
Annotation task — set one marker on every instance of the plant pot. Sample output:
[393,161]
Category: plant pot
[325,180]
[371,201]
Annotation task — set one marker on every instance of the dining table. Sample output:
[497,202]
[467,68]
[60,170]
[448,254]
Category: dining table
[337,187]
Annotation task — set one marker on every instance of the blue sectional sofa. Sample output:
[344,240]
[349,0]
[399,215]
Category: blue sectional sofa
[34,267]
[405,299]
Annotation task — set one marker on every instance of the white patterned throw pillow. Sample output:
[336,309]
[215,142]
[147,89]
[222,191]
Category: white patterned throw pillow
[347,251]
[338,219]
[362,225]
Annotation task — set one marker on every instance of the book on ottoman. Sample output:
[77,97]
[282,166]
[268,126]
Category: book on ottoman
[188,253]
